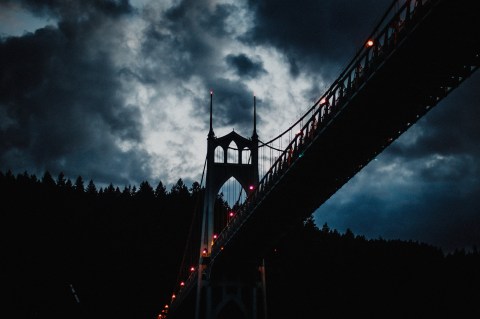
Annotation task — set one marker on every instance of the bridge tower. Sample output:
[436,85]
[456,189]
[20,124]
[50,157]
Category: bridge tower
[236,290]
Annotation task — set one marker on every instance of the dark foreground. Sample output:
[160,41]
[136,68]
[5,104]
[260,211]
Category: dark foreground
[72,251]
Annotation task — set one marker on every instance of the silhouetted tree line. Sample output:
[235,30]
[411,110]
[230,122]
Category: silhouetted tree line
[320,273]
[71,250]
[117,250]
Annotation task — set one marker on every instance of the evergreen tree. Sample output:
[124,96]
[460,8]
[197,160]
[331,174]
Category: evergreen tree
[110,190]
[325,229]
[68,185]
[48,181]
[160,191]
[309,223]
[61,182]
[79,187]
[127,191]
[179,189]
[145,191]
[195,188]
[91,189]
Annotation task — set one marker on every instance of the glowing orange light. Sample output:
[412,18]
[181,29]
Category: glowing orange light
[173,296]
[370,43]
[221,248]
[166,306]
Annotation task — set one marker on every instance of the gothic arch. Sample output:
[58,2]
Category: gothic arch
[245,158]
[233,196]
[230,308]
[232,153]
[219,156]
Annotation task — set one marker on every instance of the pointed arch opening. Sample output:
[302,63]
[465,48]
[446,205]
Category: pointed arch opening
[232,153]
[232,192]
[229,196]
[219,155]
[246,154]
[231,311]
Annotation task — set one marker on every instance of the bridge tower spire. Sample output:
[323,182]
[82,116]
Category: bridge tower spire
[210,132]
[254,135]
[213,300]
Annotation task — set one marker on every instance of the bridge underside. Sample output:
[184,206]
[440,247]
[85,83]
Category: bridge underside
[436,57]
[428,62]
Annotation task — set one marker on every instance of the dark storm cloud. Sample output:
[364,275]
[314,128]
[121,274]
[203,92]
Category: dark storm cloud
[438,214]
[452,127]
[317,36]
[186,40]
[441,217]
[234,104]
[193,34]
[73,10]
[450,133]
[212,22]
[244,66]
[61,102]
[178,42]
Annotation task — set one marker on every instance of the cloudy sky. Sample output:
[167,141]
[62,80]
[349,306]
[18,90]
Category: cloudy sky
[118,91]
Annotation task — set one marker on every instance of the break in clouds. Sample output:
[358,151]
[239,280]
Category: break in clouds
[118,92]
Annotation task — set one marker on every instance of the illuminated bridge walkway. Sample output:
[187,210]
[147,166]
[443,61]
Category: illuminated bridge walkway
[418,53]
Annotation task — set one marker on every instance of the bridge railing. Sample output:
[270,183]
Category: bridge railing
[390,31]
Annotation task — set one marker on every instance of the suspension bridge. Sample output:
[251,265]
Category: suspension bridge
[417,54]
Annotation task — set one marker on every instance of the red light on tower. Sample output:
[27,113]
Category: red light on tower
[251,187]
[182,284]
[215,236]
[173,296]
[369,43]
[192,269]
[231,214]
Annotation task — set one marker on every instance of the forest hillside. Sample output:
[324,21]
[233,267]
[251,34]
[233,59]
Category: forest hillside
[71,250]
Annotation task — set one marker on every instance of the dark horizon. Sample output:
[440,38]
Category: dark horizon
[78,254]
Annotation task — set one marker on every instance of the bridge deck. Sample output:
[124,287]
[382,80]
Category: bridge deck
[430,59]
[431,55]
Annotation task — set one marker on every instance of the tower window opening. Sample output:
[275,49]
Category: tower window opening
[246,154]
[219,155]
[232,153]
